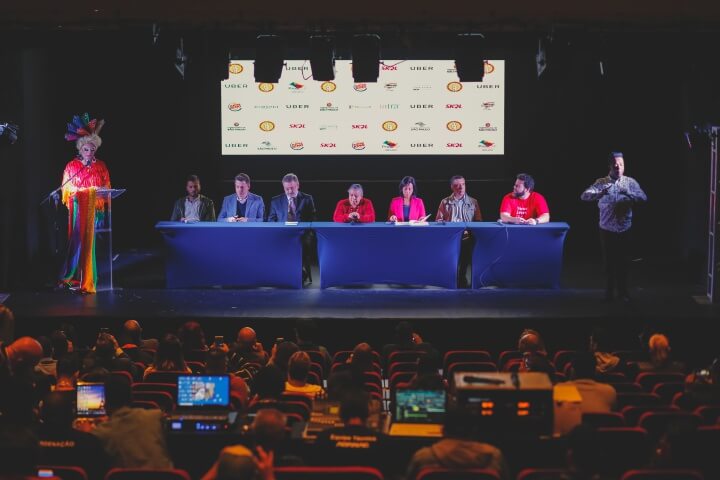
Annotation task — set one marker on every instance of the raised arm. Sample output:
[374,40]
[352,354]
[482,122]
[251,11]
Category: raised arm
[595,191]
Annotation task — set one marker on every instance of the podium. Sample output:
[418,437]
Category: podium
[103,238]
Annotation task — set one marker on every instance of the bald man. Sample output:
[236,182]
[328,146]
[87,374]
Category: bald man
[132,337]
[247,349]
[132,329]
[23,352]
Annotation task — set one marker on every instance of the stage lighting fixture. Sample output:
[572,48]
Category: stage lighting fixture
[181,60]
[322,57]
[269,58]
[469,57]
[366,58]
[9,132]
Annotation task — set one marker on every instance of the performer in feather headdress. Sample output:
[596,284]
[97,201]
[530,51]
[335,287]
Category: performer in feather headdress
[82,177]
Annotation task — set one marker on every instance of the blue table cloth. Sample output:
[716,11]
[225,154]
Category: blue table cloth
[363,254]
[517,256]
[209,254]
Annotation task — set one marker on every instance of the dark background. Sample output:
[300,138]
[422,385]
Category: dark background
[560,128]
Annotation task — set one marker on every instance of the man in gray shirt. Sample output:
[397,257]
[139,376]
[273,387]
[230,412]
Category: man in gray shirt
[194,207]
[615,195]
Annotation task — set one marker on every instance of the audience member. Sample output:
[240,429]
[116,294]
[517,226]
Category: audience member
[60,344]
[132,437]
[7,325]
[47,365]
[270,433]
[268,386]
[298,370]
[216,364]
[247,349]
[133,343]
[61,444]
[168,357]
[460,449]
[192,338]
[428,373]
[281,353]
[606,361]
[406,339]
[660,360]
[596,397]
[238,463]
[67,373]
[354,443]
[306,335]
[108,355]
[676,448]
[531,342]
[18,452]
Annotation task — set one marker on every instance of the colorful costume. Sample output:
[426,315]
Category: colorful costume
[85,208]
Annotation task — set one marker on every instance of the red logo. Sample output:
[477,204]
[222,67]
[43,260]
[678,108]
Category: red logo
[454,145]
[235,107]
[327,145]
[362,126]
[360,87]
[388,68]
[358,146]
[297,125]
[297,146]
[453,105]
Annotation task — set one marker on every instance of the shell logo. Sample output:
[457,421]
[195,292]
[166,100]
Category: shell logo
[235,68]
[266,87]
[267,126]
[456,86]
[328,87]
[454,125]
[389,126]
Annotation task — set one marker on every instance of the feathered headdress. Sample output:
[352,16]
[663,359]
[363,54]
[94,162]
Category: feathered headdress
[82,130]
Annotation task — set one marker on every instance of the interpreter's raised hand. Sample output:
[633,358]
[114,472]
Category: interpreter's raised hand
[264,463]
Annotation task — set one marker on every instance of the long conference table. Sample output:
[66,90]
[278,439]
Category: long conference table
[210,254]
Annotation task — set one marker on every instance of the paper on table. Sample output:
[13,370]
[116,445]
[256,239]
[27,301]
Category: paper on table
[292,224]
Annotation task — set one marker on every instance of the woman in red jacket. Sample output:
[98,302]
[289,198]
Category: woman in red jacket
[356,209]
[407,206]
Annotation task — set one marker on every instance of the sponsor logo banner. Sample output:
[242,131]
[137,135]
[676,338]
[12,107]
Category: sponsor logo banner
[297,145]
[267,126]
[235,69]
[266,146]
[420,127]
[389,145]
[358,145]
[488,127]
[266,87]
[360,87]
[389,126]
[234,107]
[328,87]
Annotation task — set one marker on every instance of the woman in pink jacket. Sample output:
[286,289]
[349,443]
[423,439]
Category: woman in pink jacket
[407,206]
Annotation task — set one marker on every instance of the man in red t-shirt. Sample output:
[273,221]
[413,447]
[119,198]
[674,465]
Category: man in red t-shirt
[524,205]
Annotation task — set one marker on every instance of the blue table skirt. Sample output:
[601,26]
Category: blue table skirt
[372,253]
[517,256]
[207,254]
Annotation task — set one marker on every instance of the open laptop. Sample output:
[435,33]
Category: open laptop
[418,413]
[203,403]
[90,400]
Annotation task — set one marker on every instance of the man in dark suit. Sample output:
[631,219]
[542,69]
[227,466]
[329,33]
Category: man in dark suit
[295,206]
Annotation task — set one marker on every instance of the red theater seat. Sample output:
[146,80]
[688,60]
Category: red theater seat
[453,356]
[649,379]
[657,423]
[657,474]
[449,474]
[633,413]
[543,474]
[327,473]
[604,420]
[563,358]
[146,474]
[637,399]
[709,413]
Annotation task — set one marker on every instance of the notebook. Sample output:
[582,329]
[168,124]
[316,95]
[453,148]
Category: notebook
[90,400]
[418,413]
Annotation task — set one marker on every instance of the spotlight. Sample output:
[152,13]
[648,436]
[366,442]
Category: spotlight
[269,58]
[469,58]
[322,57]
[9,132]
[366,58]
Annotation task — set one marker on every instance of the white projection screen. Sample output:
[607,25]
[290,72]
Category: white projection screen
[417,107]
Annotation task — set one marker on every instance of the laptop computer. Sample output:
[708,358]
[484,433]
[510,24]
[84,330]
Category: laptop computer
[418,413]
[203,404]
[90,400]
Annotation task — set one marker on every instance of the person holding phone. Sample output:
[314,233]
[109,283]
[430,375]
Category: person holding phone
[407,207]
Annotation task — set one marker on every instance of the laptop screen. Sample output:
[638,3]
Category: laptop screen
[419,406]
[203,391]
[90,400]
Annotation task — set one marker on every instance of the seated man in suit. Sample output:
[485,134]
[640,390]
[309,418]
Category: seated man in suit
[295,206]
[193,207]
[243,206]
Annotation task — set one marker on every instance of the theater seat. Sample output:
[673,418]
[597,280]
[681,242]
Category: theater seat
[448,474]
[657,423]
[146,474]
[657,474]
[709,413]
[649,379]
[327,473]
[543,474]
[604,420]
[453,356]
[624,448]
[66,472]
